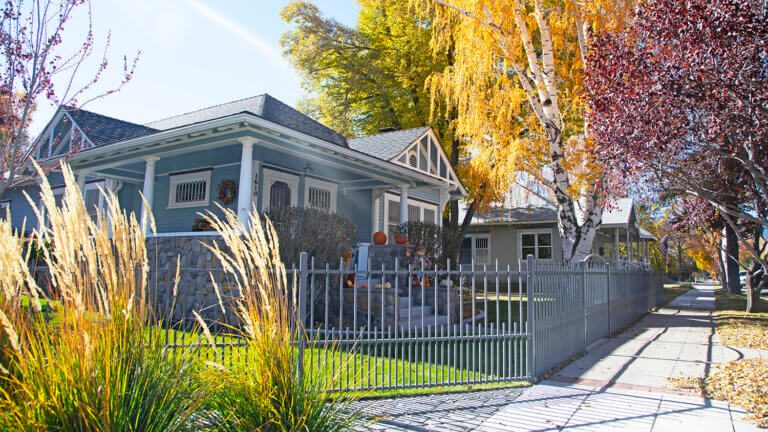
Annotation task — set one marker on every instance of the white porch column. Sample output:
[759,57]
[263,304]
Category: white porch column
[110,186]
[80,177]
[376,195]
[445,196]
[629,246]
[148,191]
[403,203]
[245,188]
[616,252]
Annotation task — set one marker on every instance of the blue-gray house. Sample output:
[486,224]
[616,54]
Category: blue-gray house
[274,155]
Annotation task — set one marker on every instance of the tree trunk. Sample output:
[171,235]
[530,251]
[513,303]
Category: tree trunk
[755,282]
[454,216]
[732,260]
[756,275]
[679,262]
[721,263]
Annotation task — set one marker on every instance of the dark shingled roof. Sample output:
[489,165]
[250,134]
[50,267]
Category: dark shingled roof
[617,214]
[387,145]
[264,106]
[102,130]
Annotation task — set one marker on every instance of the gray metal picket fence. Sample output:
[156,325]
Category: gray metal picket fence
[399,327]
[572,307]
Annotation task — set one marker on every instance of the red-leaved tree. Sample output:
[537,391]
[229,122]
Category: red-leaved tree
[31,61]
[679,102]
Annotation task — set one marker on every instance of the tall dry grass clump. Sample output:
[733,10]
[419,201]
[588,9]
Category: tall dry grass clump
[269,394]
[93,368]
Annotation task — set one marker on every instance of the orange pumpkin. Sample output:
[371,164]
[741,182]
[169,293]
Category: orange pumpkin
[400,239]
[379,238]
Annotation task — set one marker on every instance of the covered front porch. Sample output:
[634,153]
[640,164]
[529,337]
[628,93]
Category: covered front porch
[244,162]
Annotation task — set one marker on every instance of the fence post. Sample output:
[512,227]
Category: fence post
[583,268]
[530,319]
[608,285]
[301,331]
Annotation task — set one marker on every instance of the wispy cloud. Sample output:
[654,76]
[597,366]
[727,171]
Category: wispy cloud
[238,31]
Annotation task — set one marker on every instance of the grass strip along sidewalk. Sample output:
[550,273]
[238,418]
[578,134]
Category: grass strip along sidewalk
[741,382]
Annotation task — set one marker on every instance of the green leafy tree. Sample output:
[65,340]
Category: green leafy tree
[363,79]
[371,77]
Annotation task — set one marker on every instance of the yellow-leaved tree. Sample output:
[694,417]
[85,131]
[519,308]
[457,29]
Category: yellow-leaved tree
[516,81]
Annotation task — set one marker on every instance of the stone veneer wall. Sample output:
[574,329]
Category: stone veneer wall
[194,291]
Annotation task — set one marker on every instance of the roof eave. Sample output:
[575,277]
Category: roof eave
[259,121]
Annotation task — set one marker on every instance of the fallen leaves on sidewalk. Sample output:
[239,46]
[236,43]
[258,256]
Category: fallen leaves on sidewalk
[740,382]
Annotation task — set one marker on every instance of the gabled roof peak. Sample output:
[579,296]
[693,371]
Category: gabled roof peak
[387,145]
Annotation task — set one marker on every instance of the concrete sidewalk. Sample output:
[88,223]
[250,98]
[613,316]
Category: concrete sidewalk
[623,382]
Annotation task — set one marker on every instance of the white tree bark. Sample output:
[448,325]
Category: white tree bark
[539,81]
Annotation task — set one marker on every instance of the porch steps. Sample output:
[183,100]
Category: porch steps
[414,312]
[429,321]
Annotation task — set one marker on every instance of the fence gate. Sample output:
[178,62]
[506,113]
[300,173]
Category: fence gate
[408,325]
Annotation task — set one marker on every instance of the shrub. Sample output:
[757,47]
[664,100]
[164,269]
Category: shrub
[324,235]
[440,243]
[269,395]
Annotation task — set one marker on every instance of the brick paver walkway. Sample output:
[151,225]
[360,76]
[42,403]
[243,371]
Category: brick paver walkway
[621,384]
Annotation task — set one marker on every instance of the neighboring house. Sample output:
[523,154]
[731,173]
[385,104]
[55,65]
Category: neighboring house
[510,234]
[274,155]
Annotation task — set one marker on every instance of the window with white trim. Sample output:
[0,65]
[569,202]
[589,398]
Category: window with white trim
[536,243]
[414,213]
[281,189]
[393,219]
[320,194]
[429,215]
[93,199]
[418,211]
[475,247]
[191,189]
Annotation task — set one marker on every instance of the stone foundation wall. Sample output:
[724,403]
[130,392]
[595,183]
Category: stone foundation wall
[194,291]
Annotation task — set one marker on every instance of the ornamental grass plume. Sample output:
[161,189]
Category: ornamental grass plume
[93,368]
[268,394]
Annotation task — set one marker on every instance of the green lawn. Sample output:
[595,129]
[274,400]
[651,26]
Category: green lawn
[412,367]
[673,291]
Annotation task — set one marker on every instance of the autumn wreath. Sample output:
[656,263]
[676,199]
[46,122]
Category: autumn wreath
[227,191]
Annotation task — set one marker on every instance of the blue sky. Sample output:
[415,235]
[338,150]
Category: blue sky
[194,53]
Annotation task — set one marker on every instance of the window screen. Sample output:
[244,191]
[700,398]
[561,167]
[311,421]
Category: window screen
[279,195]
[481,250]
[189,189]
[414,213]
[319,197]
[429,215]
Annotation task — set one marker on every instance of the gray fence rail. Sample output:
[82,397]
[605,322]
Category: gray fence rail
[402,327]
[405,327]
